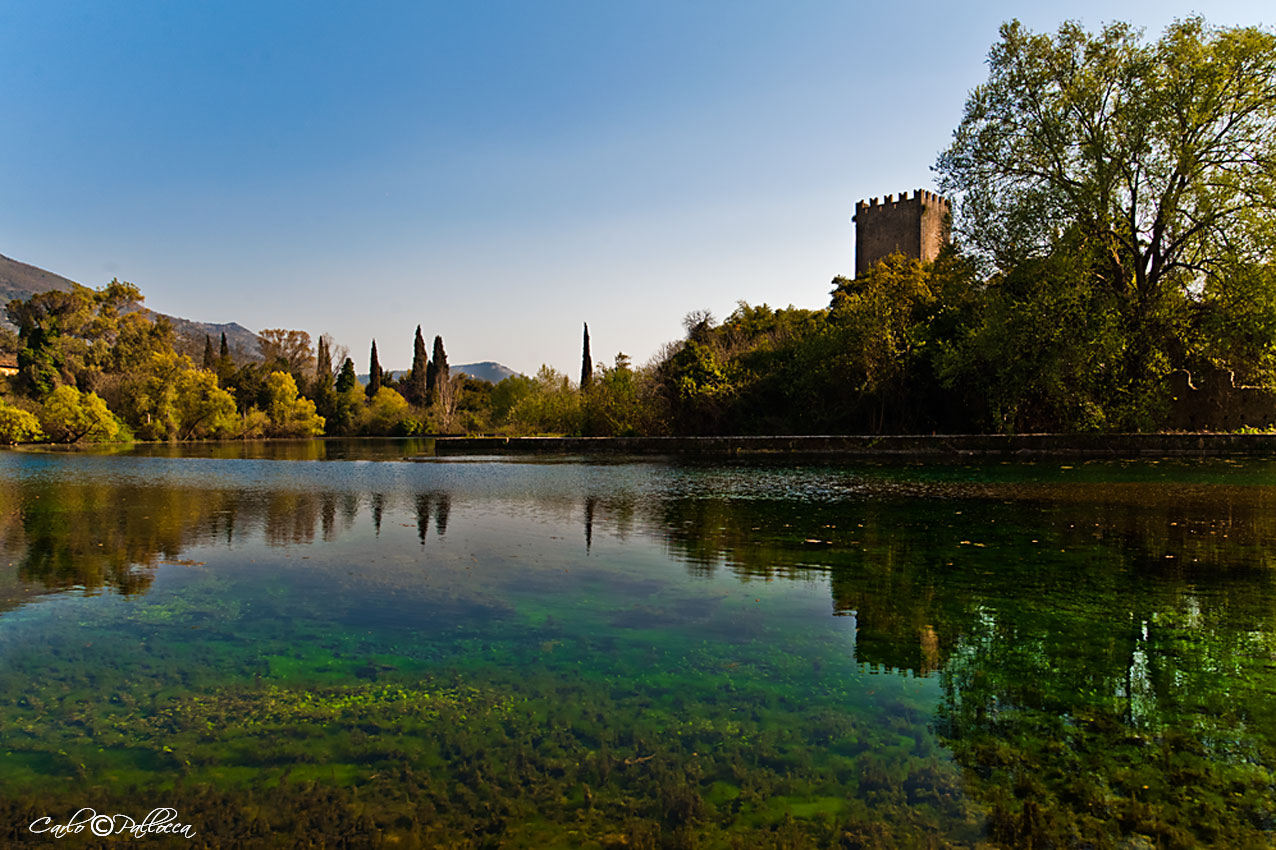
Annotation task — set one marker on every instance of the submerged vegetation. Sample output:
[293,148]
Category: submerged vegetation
[1022,655]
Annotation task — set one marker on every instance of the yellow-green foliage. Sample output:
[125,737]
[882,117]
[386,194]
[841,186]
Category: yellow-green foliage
[69,416]
[204,409]
[384,412]
[290,415]
[18,425]
[551,407]
[253,425]
[173,400]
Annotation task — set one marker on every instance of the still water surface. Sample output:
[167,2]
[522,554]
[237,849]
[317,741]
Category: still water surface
[488,652]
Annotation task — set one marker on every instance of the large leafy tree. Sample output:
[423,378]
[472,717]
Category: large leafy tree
[289,350]
[69,336]
[1152,161]
[1161,156]
[1035,352]
[172,400]
[69,416]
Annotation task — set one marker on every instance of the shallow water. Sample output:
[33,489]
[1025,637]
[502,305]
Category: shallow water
[321,643]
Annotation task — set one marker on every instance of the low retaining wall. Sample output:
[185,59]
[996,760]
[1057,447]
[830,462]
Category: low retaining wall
[910,445]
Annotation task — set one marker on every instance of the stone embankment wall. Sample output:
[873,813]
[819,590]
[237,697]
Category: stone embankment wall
[937,446]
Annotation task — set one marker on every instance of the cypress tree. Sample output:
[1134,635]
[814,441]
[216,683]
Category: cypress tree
[346,378]
[225,364]
[324,396]
[374,372]
[210,362]
[418,385]
[323,362]
[439,371]
[586,363]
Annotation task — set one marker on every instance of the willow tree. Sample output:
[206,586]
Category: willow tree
[1155,161]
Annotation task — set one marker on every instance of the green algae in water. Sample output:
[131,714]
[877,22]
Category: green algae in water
[617,655]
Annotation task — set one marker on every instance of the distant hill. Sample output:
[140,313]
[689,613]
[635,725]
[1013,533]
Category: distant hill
[21,280]
[488,370]
[190,335]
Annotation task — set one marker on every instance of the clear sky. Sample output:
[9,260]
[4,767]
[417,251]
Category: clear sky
[497,172]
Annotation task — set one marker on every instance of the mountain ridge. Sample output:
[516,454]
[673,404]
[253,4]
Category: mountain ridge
[484,370]
[19,280]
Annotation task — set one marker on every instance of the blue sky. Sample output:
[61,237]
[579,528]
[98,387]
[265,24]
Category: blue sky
[498,172]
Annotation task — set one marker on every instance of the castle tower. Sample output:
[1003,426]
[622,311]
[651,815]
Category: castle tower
[916,227]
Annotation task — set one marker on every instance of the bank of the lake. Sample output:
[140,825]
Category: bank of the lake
[933,446]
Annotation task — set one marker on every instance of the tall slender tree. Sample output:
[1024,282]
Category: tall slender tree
[586,363]
[417,385]
[324,394]
[210,362]
[323,361]
[439,371]
[225,363]
[374,372]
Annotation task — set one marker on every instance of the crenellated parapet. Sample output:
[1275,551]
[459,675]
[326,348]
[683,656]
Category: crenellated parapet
[916,225]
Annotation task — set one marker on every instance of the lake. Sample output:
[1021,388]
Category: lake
[322,644]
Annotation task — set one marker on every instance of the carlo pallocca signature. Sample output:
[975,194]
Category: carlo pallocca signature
[160,821]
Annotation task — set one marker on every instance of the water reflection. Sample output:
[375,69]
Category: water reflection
[437,503]
[1103,650]
[920,575]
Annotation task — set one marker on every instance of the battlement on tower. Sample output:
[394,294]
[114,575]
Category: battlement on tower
[918,226]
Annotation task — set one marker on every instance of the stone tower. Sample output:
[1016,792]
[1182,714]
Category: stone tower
[916,227]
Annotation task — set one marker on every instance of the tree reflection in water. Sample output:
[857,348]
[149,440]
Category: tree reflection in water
[1105,650]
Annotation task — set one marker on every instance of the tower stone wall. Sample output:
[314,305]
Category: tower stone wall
[916,227]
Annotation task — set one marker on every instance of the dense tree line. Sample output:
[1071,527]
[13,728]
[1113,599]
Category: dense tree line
[94,367]
[1117,223]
